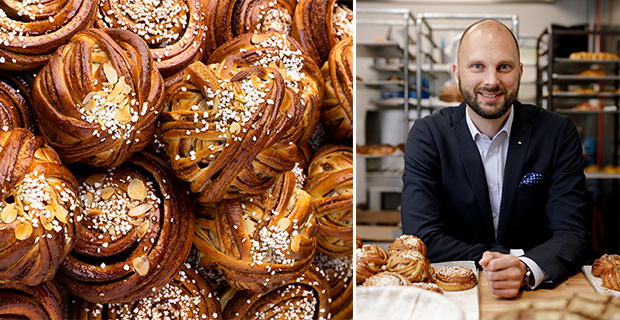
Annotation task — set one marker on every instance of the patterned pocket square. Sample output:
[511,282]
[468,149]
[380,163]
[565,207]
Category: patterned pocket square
[531,179]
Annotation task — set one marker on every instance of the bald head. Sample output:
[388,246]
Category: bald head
[490,28]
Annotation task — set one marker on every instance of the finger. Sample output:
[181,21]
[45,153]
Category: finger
[511,273]
[501,262]
[505,293]
[487,256]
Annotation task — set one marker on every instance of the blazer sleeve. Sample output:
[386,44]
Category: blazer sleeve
[424,198]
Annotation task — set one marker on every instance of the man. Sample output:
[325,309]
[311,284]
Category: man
[493,177]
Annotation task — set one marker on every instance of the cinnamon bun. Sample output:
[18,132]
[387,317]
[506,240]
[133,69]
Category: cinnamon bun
[411,265]
[43,301]
[386,279]
[15,103]
[339,274]
[428,286]
[136,234]
[98,98]
[330,183]
[407,242]
[39,212]
[455,278]
[607,267]
[369,259]
[337,108]
[261,240]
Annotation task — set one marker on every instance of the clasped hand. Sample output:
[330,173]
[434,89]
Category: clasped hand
[504,273]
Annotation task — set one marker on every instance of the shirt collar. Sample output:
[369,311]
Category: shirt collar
[506,128]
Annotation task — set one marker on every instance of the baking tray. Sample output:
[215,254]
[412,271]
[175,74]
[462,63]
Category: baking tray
[596,282]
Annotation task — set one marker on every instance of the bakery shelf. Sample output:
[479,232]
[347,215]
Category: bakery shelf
[602,175]
[380,156]
[383,84]
[568,77]
[573,111]
[386,49]
[570,94]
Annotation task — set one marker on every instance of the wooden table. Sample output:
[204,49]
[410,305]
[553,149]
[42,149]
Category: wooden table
[491,305]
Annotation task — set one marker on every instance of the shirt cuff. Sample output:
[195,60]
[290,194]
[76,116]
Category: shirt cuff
[539,274]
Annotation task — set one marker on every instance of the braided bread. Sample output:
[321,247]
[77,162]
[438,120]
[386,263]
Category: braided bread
[259,240]
[31,32]
[407,242]
[187,296]
[319,24]
[219,119]
[369,259]
[386,279]
[98,98]
[174,30]
[607,267]
[337,108]
[411,265]
[15,103]
[39,216]
[137,231]
[304,297]
[330,183]
[44,301]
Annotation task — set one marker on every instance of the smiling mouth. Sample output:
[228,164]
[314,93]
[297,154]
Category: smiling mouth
[490,95]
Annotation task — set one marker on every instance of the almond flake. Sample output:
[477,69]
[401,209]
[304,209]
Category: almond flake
[107,193]
[110,73]
[136,190]
[23,230]
[141,265]
[284,223]
[9,213]
[140,210]
[95,178]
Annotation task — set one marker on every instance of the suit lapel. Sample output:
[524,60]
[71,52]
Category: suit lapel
[473,168]
[517,149]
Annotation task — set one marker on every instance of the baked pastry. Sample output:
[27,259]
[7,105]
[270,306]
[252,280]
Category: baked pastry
[31,31]
[607,267]
[337,108]
[259,240]
[451,94]
[19,301]
[386,279]
[587,106]
[575,306]
[319,24]
[339,274]
[410,264]
[97,100]
[407,242]
[219,119]
[369,259]
[582,55]
[455,278]
[592,73]
[300,73]
[428,286]
[136,234]
[15,103]
[330,183]
[39,212]
[303,297]
[358,242]
[187,296]
[173,30]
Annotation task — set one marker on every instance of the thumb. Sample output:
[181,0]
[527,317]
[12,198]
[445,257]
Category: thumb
[487,256]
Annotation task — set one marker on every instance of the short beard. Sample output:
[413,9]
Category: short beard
[470,99]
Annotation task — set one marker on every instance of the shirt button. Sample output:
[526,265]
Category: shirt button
[494,215]
[491,153]
[491,185]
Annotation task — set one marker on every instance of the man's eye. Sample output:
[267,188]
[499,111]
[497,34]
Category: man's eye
[505,67]
[477,66]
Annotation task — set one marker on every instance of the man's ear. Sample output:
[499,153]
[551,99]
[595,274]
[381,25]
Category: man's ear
[455,73]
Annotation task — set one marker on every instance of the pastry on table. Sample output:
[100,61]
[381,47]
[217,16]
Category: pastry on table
[428,286]
[303,297]
[339,274]
[15,101]
[575,306]
[187,296]
[219,119]
[455,278]
[31,31]
[300,73]
[407,242]
[582,55]
[410,264]
[97,99]
[174,30]
[369,260]
[330,183]
[136,233]
[43,301]
[607,267]
[258,241]
[319,24]
[337,108]
[40,215]
[358,242]
[386,279]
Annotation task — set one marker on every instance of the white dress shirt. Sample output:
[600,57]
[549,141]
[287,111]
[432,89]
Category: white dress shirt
[493,152]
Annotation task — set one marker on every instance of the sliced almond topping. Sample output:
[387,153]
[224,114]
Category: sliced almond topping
[284,223]
[26,214]
[235,127]
[104,154]
[23,230]
[88,199]
[291,204]
[141,265]
[107,193]
[88,98]
[52,212]
[140,210]
[45,222]
[258,38]
[249,226]
[90,105]
[116,91]
[61,213]
[93,213]
[9,213]
[95,178]
[123,115]
[143,228]
[268,256]
[110,73]
[136,189]
[295,242]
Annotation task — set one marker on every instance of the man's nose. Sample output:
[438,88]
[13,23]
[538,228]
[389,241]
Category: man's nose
[491,78]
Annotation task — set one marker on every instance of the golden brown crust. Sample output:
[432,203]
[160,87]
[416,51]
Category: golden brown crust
[174,30]
[219,119]
[607,267]
[428,286]
[44,301]
[407,242]
[339,274]
[39,216]
[411,265]
[582,55]
[187,296]
[369,260]
[455,278]
[386,279]
[330,183]
[337,108]
[137,231]
[15,101]
[30,34]
[80,119]
[259,240]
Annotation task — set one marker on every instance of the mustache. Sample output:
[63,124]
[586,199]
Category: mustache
[494,89]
